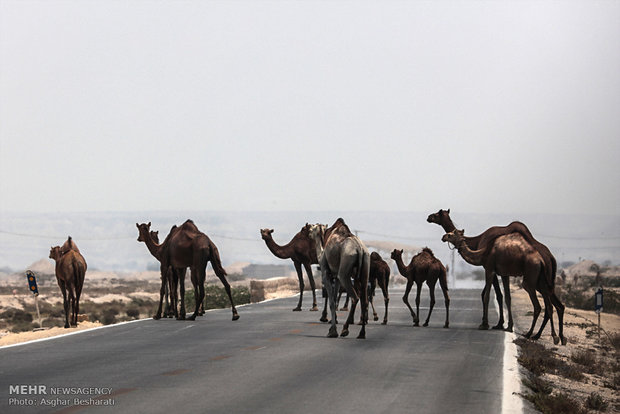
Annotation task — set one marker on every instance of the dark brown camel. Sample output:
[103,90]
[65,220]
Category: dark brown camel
[169,284]
[511,255]
[189,247]
[379,275]
[70,272]
[302,252]
[424,267]
[442,218]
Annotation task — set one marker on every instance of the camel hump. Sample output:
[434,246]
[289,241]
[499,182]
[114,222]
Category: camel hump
[69,245]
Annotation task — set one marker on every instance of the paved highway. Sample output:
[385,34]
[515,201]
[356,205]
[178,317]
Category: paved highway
[271,360]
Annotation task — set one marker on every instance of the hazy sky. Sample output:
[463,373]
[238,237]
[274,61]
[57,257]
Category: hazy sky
[479,106]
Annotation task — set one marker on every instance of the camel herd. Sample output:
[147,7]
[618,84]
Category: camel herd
[346,265]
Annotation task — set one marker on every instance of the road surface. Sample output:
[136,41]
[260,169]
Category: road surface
[272,360]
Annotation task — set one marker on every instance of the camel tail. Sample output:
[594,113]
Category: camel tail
[216,262]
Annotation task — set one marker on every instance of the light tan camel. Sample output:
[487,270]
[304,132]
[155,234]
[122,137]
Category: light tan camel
[511,255]
[301,251]
[70,272]
[424,267]
[345,257]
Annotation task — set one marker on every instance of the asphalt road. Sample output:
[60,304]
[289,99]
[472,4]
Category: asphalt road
[272,360]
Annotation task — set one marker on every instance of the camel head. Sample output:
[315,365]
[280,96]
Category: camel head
[438,217]
[455,237]
[143,231]
[316,232]
[154,236]
[55,253]
[265,234]
[397,254]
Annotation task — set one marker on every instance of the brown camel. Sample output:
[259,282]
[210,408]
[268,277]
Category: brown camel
[70,273]
[169,284]
[379,275]
[345,260]
[302,252]
[511,255]
[442,217]
[188,247]
[424,267]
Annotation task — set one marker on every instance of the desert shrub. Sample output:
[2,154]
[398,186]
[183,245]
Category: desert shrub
[538,385]
[596,402]
[535,357]
[572,372]
[108,316]
[216,297]
[133,312]
[556,404]
[22,326]
[16,315]
[235,277]
[585,358]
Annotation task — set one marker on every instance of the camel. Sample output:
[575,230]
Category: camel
[379,275]
[423,267]
[345,258]
[169,284]
[188,247]
[302,252]
[442,218]
[511,255]
[70,272]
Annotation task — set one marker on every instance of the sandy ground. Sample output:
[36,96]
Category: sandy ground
[15,338]
[576,323]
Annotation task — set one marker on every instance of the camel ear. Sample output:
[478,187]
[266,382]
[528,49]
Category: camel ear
[448,211]
[137,225]
[270,231]
[149,225]
[401,251]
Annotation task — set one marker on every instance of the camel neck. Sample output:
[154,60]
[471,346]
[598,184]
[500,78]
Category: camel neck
[401,265]
[153,247]
[278,251]
[447,224]
[473,257]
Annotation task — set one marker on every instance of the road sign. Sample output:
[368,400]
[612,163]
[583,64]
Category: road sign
[32,282]
[598,300]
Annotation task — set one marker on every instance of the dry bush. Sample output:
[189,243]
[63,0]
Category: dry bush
[596,402]
[556,403]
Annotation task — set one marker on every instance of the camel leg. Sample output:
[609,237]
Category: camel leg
[532,293]
[485,299]
[406,299]
[325,302]
[354,299]
[65,302]
[386,300]
[432,305]
[229,293]
[498,297]
[312,286]
[446,297]
[506,283]
[167,307]
[300,276]
[559,307]
[162,291]
[182,294]
[548,317]
[173,279]
[416,320]
[331,295]
[371,294]
[346,301]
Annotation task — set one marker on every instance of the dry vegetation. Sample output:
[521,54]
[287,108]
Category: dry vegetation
[583,376]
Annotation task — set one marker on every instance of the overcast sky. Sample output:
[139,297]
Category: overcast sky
[478,106]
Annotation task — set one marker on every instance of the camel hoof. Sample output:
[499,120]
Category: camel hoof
[345,332]
[332,333]
[556,340]
[192,318]
[235,317]
[447,325]
[416,324]
[483,326]
[156,317]
[297,309]
[66,326]
[563,341]
[362,335]
[314,309]
[375,318]
[509,329]
[425,324]
[499,326]
[384,323]
[323,319]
